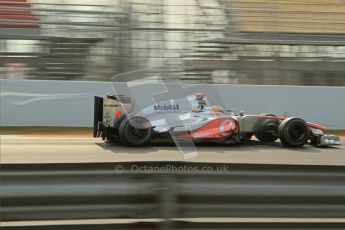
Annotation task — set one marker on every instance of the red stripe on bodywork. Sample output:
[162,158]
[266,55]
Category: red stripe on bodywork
[271,117]
[211,130]
[315,126]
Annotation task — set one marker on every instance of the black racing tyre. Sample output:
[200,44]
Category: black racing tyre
[266,137]
[135,131]
[270,128]
[114,139]
[294,132]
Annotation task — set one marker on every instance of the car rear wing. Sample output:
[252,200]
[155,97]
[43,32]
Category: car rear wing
[97,115]
[108,110]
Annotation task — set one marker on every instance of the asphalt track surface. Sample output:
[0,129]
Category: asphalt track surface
[24,149]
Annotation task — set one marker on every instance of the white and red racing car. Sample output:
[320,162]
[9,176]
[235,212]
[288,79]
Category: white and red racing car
[193,119]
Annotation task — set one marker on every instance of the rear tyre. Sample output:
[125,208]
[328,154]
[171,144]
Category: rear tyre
[269,133]
[114,139]
[294,132]
[135,131]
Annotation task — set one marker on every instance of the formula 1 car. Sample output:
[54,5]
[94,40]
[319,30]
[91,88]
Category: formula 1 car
[192,118]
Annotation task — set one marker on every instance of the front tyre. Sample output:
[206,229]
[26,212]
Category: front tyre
[135,131]
[294,132]
[266,137]
[269,129]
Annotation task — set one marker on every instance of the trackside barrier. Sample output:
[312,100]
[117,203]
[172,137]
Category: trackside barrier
[167,190]
[187,225]
[70,103]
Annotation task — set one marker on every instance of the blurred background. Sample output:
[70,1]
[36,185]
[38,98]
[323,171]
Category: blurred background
[276,42]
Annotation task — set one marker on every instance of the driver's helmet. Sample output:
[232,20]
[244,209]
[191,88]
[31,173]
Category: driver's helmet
[217,109]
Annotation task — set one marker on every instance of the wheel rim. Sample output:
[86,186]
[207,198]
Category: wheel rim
[136,133]
[297,132]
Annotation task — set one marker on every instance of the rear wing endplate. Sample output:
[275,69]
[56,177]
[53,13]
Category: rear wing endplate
[98,115]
